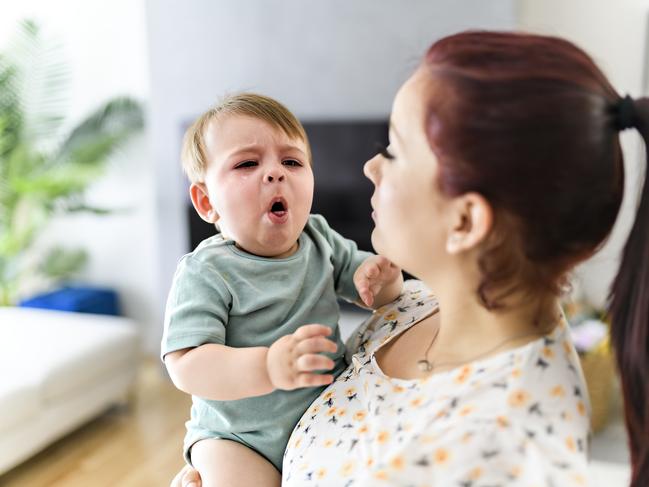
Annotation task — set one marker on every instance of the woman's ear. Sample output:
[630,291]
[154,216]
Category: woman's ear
[472,219]
[202,203]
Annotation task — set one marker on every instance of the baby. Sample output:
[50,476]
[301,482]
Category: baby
[252,319]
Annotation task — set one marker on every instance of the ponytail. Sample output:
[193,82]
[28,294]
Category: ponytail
[629,309]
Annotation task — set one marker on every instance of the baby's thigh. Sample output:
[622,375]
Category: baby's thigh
[226,463]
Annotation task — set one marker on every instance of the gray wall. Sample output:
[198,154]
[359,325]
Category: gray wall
[323,59]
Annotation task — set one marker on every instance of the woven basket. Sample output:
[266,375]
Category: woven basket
[599,372]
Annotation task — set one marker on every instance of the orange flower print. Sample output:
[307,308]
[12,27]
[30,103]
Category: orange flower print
[398,463]
[570,443]
[315,409]
[328,395]
[363,429]
[548,352]
[381,475]
[383,437]
[342,411]
[581,408]
[416,402]
[518,398]
[567,348]
[466,410]
[398,389]
[515,472]
[475,474]
[440,456]
[331,411]
[321,473]
[557,391]
[350,392]
[516,373]
[391,316]
[467,437]
[328,443]
[347,469]
[369,462]
[502,421]
[463,375]
[360,415]
[441,413]
[579,479]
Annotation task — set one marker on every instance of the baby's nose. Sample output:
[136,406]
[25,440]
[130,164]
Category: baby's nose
[274,177]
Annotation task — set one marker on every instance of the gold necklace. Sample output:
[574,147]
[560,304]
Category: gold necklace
[425,365]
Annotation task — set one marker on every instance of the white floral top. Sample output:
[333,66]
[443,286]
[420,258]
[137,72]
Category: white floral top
[519,418]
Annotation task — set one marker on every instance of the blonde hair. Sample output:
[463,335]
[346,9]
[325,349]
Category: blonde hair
[194,153]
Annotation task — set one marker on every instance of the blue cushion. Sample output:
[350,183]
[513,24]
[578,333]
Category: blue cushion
[81,299]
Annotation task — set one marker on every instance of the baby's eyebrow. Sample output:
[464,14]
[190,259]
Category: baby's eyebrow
[259,147]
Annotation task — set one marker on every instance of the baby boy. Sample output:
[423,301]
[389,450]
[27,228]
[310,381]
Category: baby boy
[251,325]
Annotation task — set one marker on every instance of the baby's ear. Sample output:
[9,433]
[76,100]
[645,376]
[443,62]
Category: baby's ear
[202,203]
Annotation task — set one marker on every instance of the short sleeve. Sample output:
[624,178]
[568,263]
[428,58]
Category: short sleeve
[498,453]
[197,307]
[345,258]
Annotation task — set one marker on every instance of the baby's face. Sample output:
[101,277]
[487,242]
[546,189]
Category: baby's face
[260,184]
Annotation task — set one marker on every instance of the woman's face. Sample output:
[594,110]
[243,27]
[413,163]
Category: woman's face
[409,210]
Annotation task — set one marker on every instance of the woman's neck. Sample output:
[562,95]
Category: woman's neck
[468,330]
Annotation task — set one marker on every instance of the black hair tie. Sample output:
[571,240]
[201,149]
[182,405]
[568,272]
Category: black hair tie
[626,116]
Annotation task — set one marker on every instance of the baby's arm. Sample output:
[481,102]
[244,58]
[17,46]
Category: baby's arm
[378,281]
[223,373]
[219,372]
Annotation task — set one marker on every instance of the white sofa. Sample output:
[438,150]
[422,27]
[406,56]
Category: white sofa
[58,370]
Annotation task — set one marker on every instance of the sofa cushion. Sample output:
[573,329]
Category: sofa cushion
[63,350]
[19,399]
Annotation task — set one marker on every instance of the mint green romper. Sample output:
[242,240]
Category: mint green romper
[222,294]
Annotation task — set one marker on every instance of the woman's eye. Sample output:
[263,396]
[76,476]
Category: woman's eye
[291,162]
[385,151]
[246,164]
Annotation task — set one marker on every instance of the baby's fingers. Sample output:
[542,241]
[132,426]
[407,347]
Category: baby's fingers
[315,345]
[308,331]
[312,361]
[314,380]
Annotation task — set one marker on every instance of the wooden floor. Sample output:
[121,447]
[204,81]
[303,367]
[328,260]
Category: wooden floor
[134,445]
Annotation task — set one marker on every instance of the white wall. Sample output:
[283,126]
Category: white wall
[614,34]
[323,59]
[105,44]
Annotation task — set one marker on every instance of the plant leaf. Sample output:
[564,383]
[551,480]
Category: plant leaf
[98,135]
[62,263]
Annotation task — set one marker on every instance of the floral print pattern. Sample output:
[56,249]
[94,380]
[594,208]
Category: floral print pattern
[518,418]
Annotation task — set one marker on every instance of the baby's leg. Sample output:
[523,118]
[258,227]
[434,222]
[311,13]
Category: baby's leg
[226,463]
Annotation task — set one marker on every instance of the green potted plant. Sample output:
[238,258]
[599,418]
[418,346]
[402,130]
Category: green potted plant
[45,165]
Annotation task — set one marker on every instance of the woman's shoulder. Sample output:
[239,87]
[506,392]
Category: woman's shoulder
[414,303]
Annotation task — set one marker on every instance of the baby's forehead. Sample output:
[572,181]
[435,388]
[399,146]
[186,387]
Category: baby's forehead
[229,130]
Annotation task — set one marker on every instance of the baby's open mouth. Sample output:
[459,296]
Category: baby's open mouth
[278,207]
[278,210]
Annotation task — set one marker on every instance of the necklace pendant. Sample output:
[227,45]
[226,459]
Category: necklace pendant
[424,365]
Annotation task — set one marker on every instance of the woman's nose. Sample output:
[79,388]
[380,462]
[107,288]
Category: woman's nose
[370,169]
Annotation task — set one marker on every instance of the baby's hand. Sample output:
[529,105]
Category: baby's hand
[373,275]
[292,358]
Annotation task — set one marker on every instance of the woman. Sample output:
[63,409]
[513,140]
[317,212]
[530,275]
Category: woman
[504,171]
